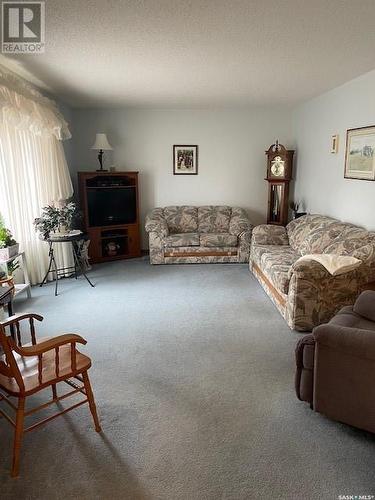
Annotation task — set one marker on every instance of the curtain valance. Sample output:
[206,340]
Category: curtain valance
[33,168]
[23,107]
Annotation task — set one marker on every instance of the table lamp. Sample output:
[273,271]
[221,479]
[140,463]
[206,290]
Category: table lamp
[101,144]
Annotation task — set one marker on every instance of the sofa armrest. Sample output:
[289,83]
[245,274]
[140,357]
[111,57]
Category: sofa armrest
[303,380]
[365,305]
[313,270]
[344,374]
[155,222]
[352,341]
[310,270]
[239,222]
[268,234]
[315,296]
[244,241]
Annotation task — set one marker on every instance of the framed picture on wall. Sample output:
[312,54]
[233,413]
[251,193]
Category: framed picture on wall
[185,160]
[360,153]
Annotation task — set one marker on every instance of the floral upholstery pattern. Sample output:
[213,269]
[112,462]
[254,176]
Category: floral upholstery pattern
[187,234]
[182,219]
[182,240]
[315,296]
[350,242]
[267,234]
[304,292]
[156,247]
[213,219]
[239,221]
[275,262]
[244,242]
[299,229]
[155,221]
[318,240]
[260,253]
[218,240]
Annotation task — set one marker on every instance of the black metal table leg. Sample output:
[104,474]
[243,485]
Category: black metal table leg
[64,271]
[50,255]
[56,273]
[77,262]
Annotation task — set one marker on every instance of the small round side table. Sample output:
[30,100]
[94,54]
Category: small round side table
[76,249]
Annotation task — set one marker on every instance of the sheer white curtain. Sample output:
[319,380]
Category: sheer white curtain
[33,168]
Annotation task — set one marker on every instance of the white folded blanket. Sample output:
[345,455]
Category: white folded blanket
[335,264]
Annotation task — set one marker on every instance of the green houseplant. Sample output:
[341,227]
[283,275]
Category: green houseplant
[8,245]
[6,273]
[55,219]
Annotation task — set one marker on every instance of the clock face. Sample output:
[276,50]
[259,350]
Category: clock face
[278,167]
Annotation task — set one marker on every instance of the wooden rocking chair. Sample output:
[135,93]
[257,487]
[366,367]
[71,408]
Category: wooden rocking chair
[28,369]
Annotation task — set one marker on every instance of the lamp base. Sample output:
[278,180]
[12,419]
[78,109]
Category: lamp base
[100,158]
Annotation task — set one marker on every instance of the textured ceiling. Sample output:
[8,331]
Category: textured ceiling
[202,52]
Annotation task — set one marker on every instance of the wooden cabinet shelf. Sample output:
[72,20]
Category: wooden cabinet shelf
[110,205]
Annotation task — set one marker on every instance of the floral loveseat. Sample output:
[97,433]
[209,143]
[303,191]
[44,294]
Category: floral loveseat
[187,234]
[304,292]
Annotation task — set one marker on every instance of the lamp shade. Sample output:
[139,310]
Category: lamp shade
[101,142]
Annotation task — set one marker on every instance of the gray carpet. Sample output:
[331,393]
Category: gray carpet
[193,376]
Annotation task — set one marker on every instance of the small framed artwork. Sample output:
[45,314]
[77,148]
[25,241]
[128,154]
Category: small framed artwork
[334,143]
[185,160]
[360,153]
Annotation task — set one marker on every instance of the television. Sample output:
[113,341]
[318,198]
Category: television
[111,206]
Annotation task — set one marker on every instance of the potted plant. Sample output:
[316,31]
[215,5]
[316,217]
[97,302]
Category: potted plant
[295,206]
[67,215]
[55,219]
[8,245]
[7,272]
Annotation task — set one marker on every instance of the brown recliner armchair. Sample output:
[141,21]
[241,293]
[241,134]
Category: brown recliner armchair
[336,365]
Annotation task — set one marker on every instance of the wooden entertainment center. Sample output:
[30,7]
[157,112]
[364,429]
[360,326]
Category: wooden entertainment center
[110,205]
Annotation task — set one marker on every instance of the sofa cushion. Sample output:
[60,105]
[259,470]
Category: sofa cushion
[181,219]
[319,239]
[276,268]
[300,229]
[182,240]
[351,240]
[258,251]
[267,234]
[214,219]
[218,240]
[275,261]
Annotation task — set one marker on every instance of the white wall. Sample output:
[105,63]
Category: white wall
[67,113]
[320,179]
[231,144]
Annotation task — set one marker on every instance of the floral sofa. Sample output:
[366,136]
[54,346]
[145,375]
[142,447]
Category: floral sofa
[188,234]
[304,292]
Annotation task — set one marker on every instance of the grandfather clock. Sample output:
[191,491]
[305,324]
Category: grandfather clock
[279,174]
